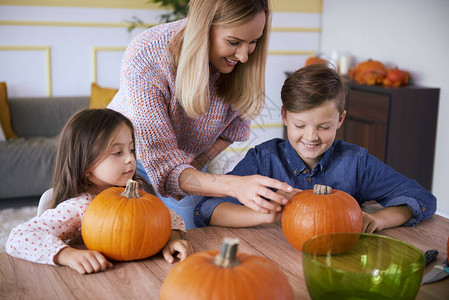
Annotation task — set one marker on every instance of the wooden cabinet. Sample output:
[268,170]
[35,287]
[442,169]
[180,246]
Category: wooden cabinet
[397,125]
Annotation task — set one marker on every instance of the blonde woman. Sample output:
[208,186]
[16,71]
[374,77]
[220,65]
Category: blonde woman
[191,88]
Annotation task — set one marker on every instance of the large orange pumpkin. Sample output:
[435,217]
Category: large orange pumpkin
[210,275]
[320,211]
[369,72]
[331,243]
[126,224]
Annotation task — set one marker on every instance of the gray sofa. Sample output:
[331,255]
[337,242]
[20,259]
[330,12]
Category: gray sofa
[26,163]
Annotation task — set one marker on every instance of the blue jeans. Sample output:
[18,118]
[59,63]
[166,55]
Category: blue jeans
[184,208]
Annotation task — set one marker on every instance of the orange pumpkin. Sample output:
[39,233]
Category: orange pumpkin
[369,72]
[126,224]
[395,78]
[226,275]
[320,211]
[315,60]
[329,244]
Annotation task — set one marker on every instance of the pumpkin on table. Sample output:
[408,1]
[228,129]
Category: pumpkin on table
[320,211]
[210,275]
[126,224]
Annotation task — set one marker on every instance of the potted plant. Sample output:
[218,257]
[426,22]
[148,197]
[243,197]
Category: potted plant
[179,11]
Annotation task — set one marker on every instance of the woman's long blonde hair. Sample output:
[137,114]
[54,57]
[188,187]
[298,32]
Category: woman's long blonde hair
[244,87]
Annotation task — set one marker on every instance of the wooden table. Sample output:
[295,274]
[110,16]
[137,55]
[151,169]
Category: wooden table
[20,279]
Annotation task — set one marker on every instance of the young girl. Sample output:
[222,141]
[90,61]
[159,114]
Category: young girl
[190,88]
[95,152]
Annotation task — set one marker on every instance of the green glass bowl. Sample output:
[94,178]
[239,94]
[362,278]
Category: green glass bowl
[361,266]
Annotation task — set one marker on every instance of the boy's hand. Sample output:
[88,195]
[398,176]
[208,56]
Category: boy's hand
[252,190]
[83,261]
[271,216]
[176,244]
[370,223]
[386,218]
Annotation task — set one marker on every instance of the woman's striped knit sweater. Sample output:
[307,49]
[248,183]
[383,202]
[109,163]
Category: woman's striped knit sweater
[167,140]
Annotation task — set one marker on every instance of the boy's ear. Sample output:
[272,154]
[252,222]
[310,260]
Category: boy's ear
[283,114]
[341,118]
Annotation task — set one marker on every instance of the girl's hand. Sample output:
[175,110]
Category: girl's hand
[249,190]
[176,244]
[83,261]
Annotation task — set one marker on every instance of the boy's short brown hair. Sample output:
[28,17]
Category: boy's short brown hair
[312,85]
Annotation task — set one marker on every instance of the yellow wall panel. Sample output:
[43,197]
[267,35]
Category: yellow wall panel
[307,6]
[130,4]
[47,50]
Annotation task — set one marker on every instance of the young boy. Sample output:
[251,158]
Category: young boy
[313,101]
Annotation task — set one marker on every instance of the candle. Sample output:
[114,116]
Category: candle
[343,66]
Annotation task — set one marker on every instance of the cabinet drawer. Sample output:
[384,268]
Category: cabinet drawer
[368,106]
[367,121]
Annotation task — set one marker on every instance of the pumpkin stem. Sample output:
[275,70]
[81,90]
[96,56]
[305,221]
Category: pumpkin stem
[131,190]
[228,254]
[322,189]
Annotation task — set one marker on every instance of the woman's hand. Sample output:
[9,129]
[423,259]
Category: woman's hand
[176,244]
[83,261]
[288,195]
[254,192]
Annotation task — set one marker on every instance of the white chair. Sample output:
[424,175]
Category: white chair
[45,201]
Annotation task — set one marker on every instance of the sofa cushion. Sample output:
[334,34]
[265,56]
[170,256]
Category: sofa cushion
[26,166]
[32,117]
[5,116]
[100,96]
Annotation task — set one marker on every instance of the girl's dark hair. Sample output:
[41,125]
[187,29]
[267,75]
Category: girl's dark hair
[312,85]
[83,141]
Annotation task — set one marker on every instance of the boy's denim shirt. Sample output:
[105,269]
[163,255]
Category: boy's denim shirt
[344,167]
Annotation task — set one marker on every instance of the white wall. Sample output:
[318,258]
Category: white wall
[58,51]
[412,34]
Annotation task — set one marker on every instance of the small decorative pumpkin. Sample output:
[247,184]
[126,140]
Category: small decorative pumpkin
[311,60]
[395,78]
[320,211]
[126,224]
[369,72]
[211,275]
